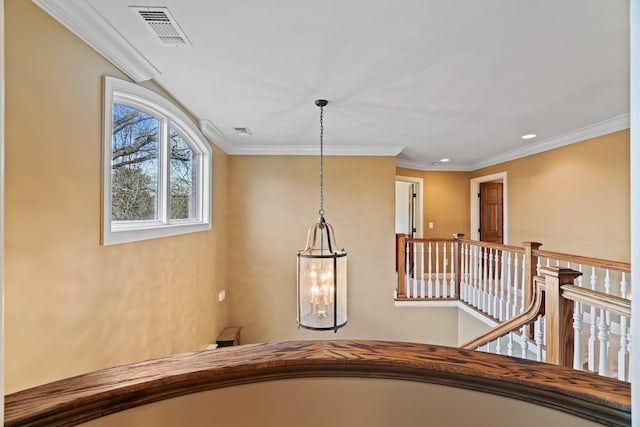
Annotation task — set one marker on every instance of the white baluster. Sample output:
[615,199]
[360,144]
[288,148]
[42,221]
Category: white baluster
[510,345]
[452,267]
[514,307]
[623,285]
[501,302]
[577,336]
[474,276]
[548,262]
[430,283]
[498,346]
[484,280]
[538,338]
[538,265]
[607,290]
[490,309]
[496,284]
[591,345]
[415,270]
[467,274]
[407,269]
[603,342]
[622,352]
[422,284]
[463,273]
[524,284]
[437,270]
[444,270]
[508,304]
[524,343]
[580,277]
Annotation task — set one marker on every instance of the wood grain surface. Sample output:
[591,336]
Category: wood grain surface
[85,397]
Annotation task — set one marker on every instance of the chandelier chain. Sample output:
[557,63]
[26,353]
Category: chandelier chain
[321,211]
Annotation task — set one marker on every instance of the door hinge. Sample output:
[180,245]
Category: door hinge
[414,195]
[478,230]
[478,194]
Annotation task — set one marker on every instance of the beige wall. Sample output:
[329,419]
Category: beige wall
[273,201]
[319,402]
[445,201]
[573,199]
[72,305]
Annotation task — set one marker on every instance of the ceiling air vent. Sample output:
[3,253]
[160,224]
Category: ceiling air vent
[163,25]
[244,131]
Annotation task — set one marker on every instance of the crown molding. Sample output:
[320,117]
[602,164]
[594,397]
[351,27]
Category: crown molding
[89,25]
[604,127]
[314,150]
[451,167]
[216,136]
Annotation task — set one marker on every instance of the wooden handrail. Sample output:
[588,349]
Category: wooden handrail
[528,316]
[518,249]
[578,259]
[85,397]
[428,239]
[597,299]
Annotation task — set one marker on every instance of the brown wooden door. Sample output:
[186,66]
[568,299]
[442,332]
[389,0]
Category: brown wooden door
[491,212]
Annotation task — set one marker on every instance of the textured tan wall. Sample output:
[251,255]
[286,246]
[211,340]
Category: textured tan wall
[573,199]
[319,402]
[469,327]
[445,201]
[72,305]
[273,202]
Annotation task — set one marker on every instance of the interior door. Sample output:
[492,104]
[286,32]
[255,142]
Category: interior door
[406,208]
[491,212]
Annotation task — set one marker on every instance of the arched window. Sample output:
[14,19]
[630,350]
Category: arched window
[157,167]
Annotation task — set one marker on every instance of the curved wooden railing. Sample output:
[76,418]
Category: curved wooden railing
[524,318]
[85,397]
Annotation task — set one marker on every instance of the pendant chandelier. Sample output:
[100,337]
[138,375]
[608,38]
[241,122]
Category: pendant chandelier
[322,268]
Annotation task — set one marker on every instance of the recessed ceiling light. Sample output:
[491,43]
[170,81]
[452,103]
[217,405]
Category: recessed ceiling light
[243,131]
[529,136]
[445,160]
[435,163]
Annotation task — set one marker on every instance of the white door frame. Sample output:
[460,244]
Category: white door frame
[2,50]
[419,193]
[635,203]
[475,205]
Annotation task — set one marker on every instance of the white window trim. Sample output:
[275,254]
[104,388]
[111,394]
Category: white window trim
[121,91]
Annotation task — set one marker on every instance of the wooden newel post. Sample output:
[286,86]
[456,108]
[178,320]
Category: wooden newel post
[401,244]
[530,272]
[559,315]
[457,262]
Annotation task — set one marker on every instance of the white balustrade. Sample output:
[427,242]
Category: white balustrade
[493,280]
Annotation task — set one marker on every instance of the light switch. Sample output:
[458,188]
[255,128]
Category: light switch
[430,225]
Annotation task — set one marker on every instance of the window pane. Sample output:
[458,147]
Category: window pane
[134,165]
[182,178]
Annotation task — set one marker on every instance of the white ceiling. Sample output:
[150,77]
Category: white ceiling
[460,79]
